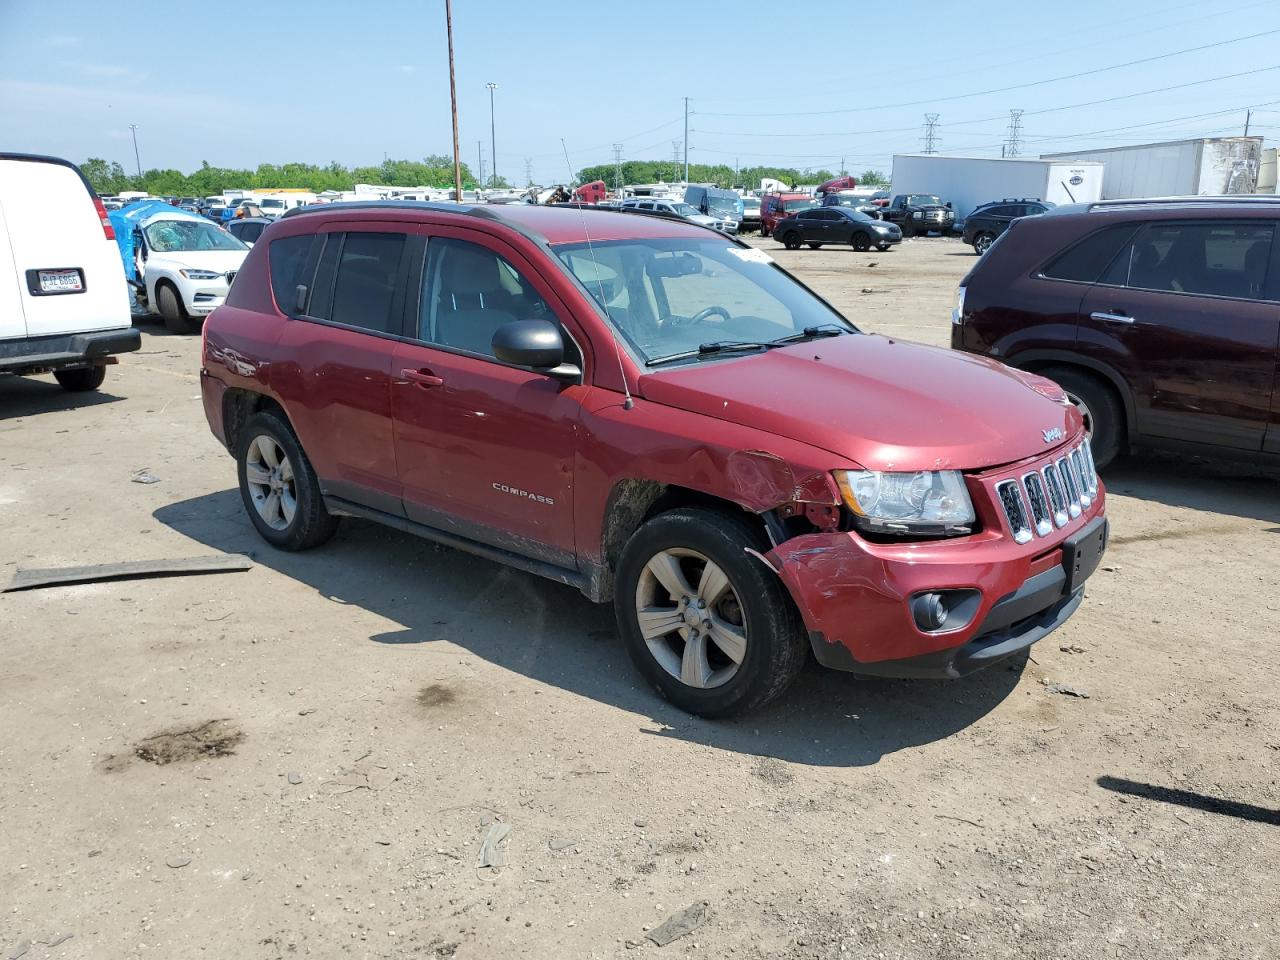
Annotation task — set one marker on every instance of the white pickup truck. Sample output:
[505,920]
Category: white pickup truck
[64,304]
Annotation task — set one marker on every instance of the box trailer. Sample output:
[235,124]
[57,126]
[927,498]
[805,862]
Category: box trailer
[1210,166]
[968,182]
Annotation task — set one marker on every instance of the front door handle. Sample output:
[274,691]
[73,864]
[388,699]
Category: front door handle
[422,378]
[1111,317]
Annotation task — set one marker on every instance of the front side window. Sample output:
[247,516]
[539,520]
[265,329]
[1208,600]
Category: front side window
[1217,259]
[187,236]
[670,296]
[469,292]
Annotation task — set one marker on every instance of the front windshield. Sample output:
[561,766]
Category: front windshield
[272,204]
[671,296]
[180,236]
[923,200]
[799,204]
[751,203]
[685,209]
[724,206]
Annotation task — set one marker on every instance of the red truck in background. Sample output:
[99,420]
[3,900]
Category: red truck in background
[835,185]
[776,206]
[593,192]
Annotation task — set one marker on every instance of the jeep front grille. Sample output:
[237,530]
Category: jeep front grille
[1051,496]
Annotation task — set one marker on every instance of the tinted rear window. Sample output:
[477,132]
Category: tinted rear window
[286,258]
[1087,259]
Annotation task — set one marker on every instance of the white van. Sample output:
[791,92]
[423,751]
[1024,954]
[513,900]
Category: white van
[64,305]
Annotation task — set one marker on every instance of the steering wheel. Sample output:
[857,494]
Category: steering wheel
[700,316]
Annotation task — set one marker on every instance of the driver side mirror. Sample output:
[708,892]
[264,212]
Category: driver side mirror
[536,344]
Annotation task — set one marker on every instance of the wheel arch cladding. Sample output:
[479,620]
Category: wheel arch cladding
[238,405]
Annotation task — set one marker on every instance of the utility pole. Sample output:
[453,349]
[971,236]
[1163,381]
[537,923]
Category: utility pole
[480,164]
[133,128]
[617,168]
[528,171]
[843,173]
[931,133]
[686,141]
[1015,133]
[493,140]
[1248,115]
[453,106]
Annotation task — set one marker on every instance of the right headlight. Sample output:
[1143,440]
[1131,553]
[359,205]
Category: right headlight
[920,503]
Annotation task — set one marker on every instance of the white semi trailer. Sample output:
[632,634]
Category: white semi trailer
[1178,168]
[968,182]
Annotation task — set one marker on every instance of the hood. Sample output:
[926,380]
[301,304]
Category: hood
[219,260]
[882,403]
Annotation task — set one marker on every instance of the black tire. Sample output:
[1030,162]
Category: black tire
[82,379]
[1101,407]
[176,318]
[861,242]
[776,646]
[312,524]
[815,246]
[791,241]
[982,242]
[882,247]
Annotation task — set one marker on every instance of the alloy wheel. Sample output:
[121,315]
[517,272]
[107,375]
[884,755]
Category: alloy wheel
[271,482]
[691,618]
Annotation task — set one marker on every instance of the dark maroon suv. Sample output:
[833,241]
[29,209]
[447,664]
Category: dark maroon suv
[1160,318]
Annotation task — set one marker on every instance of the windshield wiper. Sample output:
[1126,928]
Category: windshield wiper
[707,349]
[811,333]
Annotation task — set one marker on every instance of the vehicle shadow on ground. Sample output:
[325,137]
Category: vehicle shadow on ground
[1238,490]
[552,634]
[24,397]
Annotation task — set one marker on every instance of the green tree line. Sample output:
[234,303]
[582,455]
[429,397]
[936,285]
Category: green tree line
[434,171]
[722,175]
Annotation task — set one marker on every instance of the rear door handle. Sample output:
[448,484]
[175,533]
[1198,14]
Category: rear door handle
[422,378]
[1111,317]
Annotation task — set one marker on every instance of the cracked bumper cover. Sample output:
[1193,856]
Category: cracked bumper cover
[854,596]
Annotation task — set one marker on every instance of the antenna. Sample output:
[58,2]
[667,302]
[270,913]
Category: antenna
[628,403]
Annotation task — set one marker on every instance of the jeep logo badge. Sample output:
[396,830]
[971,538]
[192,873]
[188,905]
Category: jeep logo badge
[1052,435]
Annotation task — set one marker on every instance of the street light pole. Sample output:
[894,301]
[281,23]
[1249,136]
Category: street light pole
[493,142]
[133,128]
[453,106]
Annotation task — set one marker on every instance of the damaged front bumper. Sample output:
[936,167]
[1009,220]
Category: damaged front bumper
[857,597]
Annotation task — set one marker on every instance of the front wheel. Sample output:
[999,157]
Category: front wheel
[176,318]
[707,624]
[80,380]
[882,247]
[861,242]
[982,243]
[1099,407]
[279,488]
[791,241]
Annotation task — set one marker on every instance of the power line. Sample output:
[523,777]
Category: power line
[1016,86]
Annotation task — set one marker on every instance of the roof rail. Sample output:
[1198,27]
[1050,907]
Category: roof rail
[1244,199]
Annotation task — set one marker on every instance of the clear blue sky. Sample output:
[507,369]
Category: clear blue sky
[327,80]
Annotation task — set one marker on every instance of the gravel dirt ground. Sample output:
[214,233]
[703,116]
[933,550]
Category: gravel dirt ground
[306,758]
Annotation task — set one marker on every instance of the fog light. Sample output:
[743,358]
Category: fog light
[930,612]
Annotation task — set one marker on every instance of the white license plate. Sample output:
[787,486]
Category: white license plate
[60,281]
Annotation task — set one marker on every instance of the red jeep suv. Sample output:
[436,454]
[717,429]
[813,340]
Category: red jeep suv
[660,416]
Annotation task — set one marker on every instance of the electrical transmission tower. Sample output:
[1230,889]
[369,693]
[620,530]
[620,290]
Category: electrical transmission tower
[1014,146]
[528,171]
[675,160]
[931,139]
[617,168]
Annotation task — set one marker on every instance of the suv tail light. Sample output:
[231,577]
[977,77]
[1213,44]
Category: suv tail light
[108,231]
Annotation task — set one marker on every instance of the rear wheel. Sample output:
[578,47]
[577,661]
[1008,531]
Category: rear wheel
[982,243]
[1099,406]
[279,488]
[708,624]
[81,380]
[176,318]
[791,241]
[861,242]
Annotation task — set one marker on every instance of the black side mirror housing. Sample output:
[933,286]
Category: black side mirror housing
[536,344]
